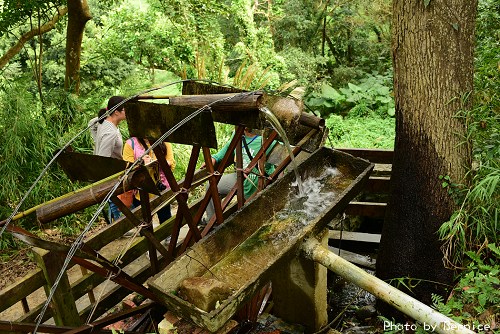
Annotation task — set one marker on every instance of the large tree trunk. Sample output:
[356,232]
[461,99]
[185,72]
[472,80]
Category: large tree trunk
[433,77]
[78,15]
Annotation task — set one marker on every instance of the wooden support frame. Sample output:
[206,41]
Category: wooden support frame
[215,175]
[181,200]
[63,304]
[188,180]
[146,232]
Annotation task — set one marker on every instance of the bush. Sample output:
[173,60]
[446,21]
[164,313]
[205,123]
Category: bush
[373,93]
[370,131]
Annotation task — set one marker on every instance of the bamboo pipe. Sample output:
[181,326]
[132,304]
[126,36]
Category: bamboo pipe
[285,107]
[417,310]
[220,102]
[72,193]
[311,121]
[82,199]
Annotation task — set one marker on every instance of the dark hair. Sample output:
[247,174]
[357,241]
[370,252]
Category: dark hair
[112,102]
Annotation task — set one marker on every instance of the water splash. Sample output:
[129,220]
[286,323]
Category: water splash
[279,129]
[320,193]
[317,199]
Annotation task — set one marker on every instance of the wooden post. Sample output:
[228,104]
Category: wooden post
[63,304]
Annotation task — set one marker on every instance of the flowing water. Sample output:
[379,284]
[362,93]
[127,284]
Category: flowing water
[261,249]
[279,129]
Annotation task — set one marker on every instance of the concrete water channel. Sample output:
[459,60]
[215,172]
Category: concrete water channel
[256,244]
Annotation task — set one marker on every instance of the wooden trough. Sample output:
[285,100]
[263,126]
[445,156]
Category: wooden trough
[246,250]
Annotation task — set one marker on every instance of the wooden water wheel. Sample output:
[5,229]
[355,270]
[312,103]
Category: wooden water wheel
[150,117]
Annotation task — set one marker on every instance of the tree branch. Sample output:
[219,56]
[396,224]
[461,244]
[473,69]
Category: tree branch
[61,11]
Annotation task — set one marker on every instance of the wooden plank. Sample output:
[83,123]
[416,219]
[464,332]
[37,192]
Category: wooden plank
[18,327]
[373,155]
[115,295]
[122,225]
[358,259]
[21,289]
[382,170]
[354,236]
[378,184]
[367,209]
[63,304]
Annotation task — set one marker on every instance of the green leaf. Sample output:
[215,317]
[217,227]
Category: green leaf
[354,88]
[329,91]
[328,104]
[426,3]
[494,249]
[482,298]
[383,90]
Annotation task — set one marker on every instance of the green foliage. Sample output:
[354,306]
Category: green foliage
[371,131]
[195,31]
[15,13]
[301,66]
[29,138]
[476,298]
[372,95]
[477,221]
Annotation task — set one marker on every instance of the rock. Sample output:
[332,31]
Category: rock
[166,327]
[365,312]
[360,330]
[203,292]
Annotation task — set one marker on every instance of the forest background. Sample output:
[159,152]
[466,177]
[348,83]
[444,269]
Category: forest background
[337,54]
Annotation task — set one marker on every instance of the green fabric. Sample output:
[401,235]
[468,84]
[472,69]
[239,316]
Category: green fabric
[254,145]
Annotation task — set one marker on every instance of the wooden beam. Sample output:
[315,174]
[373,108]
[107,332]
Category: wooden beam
[372,155]
[354,236]
[63,303]
[378,184]
[367,209]
[21,289]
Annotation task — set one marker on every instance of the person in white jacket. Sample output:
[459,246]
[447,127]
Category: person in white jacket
[108,138]
[105,133]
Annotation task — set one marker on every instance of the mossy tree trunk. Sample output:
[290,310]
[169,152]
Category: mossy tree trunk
[78,15]
[433,44]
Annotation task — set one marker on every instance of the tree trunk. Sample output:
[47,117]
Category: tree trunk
[78,15]
[433,76]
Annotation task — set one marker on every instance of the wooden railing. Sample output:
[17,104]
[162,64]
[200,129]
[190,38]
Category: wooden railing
[21,290]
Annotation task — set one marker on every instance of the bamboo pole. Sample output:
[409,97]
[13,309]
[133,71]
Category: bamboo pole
[67,195]
[417,310]
[92,195]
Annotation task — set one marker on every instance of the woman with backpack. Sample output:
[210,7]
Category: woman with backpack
[133,149]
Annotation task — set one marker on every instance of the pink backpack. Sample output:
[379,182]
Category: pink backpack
[139,150]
